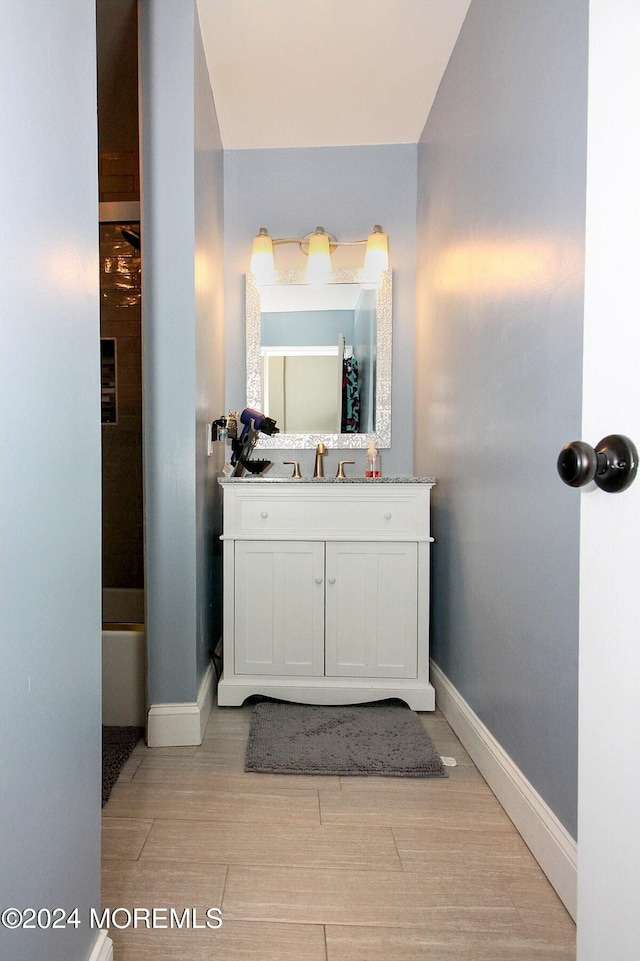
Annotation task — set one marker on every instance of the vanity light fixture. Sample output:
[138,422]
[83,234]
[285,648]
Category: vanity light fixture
[319,246]
[376,258]
[262,264]
[319,262]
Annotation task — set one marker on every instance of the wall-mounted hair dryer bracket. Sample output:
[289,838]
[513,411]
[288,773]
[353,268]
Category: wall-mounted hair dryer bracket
[253,422]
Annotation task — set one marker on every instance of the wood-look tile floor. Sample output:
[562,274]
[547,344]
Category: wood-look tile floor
[320,868]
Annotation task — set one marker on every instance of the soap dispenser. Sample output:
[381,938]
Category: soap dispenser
[372,468]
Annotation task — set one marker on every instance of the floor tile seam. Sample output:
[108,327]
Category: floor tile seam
[332,801]
[378,925]
[456,857]
[199,825]
[441,872]
[517,908]
[442,902]
[132,810]
[110,858]
[467,832]
[398,855]
[229,863]
[141,815]
[533,931]
[418,787]
[187,791]
[120,817]
[222,894]
[381,829]
[445,909]
[159,792]
[158,859]
[212,782]
[137,768]
[428,822]
[435,790]
[328,869]
[506,940]
[146,838]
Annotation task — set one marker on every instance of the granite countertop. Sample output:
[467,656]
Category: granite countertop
[259,479]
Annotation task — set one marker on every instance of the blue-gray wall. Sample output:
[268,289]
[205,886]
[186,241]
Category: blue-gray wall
[209,288]
[501,203]
[50,560]
[346,190]
[182,214]
[303,328]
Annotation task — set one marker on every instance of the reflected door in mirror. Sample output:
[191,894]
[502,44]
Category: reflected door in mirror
[302,388]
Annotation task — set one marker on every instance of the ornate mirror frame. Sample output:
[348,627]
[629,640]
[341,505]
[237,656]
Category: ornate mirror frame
[382,433]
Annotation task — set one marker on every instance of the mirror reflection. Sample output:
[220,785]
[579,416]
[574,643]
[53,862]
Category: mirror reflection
[319,359]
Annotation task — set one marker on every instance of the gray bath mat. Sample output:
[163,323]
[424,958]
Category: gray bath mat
[382,739]
[117,745]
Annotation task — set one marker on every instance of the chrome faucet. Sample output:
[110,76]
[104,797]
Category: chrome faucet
[318,470]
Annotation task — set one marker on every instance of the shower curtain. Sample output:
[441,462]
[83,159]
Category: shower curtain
[350,396]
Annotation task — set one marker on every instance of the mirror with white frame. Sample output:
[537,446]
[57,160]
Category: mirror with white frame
[319,359]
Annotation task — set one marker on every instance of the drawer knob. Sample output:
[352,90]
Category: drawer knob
[264,514]
[387,515]
[332,580]
[318,580]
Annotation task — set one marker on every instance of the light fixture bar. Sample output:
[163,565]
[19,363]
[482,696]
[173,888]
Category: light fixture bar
[319,246]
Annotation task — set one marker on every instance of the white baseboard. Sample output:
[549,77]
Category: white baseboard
[181,725]
[102,948]
[550,843]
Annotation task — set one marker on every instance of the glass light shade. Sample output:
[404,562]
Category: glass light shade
[319,265]
[262,263]
[376,258]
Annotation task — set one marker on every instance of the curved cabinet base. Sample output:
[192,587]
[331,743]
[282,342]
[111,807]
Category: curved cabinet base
[233,693]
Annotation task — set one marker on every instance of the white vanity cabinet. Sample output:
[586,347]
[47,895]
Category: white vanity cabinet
[326,591]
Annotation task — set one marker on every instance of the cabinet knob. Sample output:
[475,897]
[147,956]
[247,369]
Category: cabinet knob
[318,580]
[387,515]
[332,580]
[264,514]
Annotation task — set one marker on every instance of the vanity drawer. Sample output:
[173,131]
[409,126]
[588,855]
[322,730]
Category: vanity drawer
[336,513]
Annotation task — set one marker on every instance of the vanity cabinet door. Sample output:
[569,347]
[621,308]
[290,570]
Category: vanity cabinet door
[279,607]
[371,609]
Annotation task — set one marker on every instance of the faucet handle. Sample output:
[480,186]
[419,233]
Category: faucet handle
[296,467]
[341,463]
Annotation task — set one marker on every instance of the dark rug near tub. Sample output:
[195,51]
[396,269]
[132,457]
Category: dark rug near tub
[384,739]
[117,746]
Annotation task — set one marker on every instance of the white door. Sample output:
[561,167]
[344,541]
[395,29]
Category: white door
[609,726]
[372,609]
[279,607]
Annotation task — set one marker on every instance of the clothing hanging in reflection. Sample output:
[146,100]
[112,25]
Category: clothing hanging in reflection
[350,397]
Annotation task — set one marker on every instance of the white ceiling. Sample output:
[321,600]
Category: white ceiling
[311,73]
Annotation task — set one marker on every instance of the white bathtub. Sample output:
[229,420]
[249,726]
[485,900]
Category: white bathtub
[124,665]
